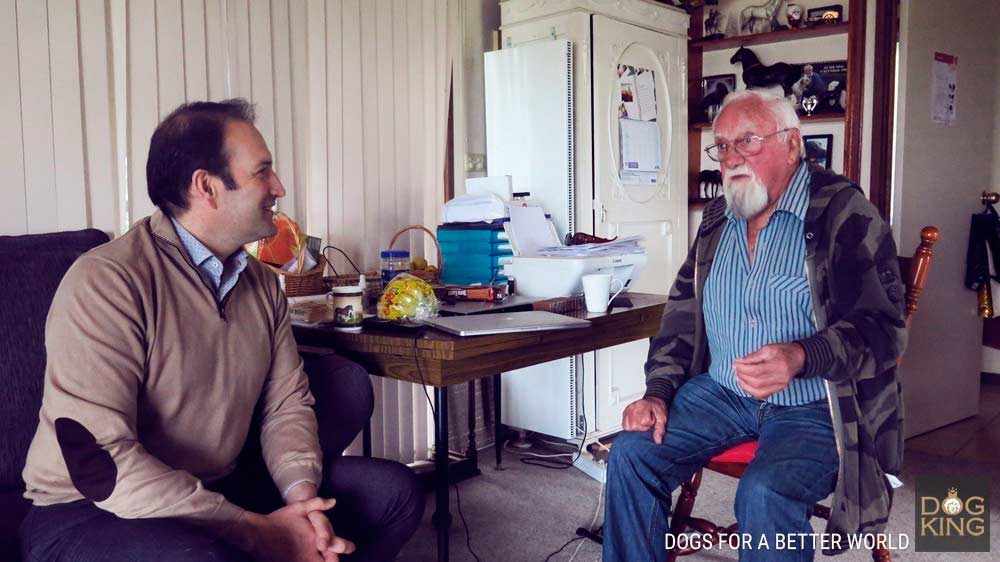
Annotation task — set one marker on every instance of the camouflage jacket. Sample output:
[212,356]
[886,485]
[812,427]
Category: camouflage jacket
[858,297]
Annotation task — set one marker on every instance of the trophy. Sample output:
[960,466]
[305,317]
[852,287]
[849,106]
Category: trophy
[809,104]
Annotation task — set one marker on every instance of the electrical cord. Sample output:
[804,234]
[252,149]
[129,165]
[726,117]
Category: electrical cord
[468,537]
[562,465]
[536,455]
[343,253]
[600,500]
[430,403]
[567,543]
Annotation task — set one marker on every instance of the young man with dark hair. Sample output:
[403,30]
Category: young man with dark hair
[165,347]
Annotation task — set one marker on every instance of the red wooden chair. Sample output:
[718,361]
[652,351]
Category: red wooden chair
[734,461]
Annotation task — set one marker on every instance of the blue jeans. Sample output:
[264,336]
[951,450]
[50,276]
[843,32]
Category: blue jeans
[795,466]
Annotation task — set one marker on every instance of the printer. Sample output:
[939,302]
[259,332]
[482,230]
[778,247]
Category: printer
[560,276]
[543,267]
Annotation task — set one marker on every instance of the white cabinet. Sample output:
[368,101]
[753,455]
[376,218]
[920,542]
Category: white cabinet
[602,35]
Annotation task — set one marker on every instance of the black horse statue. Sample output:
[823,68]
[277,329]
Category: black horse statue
[756,75]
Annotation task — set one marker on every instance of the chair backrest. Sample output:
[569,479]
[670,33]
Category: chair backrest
[914,270]
[31,268]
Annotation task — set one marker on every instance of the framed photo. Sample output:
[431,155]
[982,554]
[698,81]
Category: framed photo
[824,81]
[819,149]
[714,89]
[826,14]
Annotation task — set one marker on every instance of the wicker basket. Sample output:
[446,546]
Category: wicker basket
[432,276]
[302,284]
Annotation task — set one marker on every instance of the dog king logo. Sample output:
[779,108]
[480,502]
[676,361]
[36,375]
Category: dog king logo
[952,515]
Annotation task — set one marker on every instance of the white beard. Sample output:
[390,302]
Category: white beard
[745,198]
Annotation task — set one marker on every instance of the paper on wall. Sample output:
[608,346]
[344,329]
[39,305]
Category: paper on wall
[944,82]
[640,144]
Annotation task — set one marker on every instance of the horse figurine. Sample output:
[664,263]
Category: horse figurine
[756,75]
[712,25]
[758,19]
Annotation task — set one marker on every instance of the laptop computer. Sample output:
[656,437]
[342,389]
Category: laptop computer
[505,323]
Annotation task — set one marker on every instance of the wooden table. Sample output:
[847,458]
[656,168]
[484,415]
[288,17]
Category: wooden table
[441,360]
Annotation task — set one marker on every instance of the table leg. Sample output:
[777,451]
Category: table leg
[442,512]
[472,452]
[497,426]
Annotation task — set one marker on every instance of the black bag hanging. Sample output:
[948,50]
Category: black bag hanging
[984,241]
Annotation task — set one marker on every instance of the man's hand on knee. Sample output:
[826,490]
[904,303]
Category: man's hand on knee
[644,414]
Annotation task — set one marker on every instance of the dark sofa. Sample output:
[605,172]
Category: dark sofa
[31,268]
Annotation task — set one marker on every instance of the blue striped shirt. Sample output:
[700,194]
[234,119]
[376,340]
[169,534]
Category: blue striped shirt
[220,276]
[747,307]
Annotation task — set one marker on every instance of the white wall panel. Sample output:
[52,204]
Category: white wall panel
[98,117]
[195,53]
[36,113]
[14,218]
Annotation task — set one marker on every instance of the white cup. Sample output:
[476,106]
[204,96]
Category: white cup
[596,288]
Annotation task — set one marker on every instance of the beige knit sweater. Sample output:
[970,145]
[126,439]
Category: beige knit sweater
[151,385]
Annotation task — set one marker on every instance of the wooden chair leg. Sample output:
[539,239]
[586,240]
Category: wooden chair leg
[881,555]
[682,511]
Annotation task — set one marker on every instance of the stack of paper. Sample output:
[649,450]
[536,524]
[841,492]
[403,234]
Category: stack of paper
[628,245]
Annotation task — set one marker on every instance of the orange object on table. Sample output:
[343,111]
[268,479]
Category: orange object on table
[283,246]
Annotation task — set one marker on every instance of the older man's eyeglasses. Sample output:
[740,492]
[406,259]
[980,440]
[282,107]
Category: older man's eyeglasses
[750,145]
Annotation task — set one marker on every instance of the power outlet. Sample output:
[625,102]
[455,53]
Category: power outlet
[475,162]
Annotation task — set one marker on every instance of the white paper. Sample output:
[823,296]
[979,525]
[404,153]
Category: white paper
[640,142]
[530,230]
[646,93]
[628,245]
[944,81]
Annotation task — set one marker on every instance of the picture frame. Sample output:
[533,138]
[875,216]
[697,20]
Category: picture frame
[819,149]
[825,15]
[825,81]
[713,90]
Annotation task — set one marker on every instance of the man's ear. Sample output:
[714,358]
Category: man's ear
[794,146]
[204,188]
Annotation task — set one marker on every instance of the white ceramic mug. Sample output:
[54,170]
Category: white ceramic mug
[596,288]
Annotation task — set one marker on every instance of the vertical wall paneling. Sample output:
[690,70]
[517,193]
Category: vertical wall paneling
[345,206]
[369,99]
[347,157]
[316,188]
[387,217]
[195,53]
[237,30]
[404,182]
[13,219]
[283,148]
[143,100]
[415,112]
[217,46]
[170,46]
[118,23]
[298,68]
[67,108]
[261,69]
[36,112]
[100,144]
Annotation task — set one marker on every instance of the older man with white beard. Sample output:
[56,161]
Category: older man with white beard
[783,326]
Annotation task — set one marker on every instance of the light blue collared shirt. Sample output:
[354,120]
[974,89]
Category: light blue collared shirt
[747,307]
[221,277]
